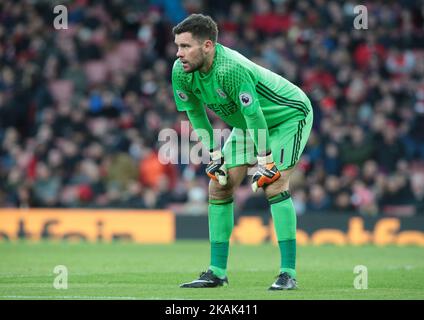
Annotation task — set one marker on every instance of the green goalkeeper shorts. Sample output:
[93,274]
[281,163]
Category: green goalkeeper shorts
[287,142]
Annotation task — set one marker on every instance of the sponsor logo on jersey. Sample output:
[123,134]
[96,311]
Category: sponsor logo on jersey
[245,99]
[182,95]
[221,93]
[223,110]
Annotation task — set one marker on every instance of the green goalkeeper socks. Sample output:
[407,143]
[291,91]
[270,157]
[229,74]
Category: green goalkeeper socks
[288,257]
[284,217]
[221,223]
[219,257]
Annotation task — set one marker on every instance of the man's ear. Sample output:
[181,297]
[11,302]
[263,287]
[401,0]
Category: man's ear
[208,45]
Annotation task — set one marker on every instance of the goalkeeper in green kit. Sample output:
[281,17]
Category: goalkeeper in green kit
[265,110]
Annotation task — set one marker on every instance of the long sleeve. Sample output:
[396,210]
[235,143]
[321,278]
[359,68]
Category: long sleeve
[201,124]
[240,85]
[258,130]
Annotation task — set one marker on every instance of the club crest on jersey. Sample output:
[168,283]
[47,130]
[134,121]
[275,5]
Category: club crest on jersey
[221,93]
[245,99]
[182,95]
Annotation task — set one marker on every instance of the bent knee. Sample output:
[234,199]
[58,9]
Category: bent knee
[277,187]
[219,192]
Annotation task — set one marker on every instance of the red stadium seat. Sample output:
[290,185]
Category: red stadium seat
[129,52]
[114,62]
[96,71]
[61,90]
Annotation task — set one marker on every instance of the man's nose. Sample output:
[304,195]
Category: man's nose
[179,53]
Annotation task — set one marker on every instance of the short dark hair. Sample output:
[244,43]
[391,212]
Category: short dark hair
[200,26]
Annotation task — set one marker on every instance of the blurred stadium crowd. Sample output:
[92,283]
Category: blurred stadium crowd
[81,108]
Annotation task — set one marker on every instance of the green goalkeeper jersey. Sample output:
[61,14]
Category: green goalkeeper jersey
[236,89]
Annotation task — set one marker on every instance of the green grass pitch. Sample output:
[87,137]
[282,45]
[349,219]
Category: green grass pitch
[131,271]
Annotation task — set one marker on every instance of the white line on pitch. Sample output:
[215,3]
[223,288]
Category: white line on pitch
[68,297]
